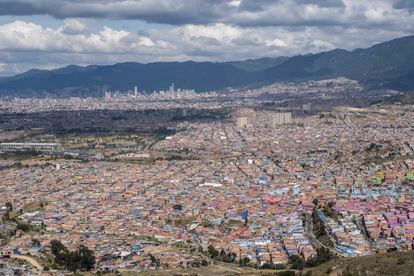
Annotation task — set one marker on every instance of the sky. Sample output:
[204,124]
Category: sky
[49,34]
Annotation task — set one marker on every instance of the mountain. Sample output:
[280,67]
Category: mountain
[256,65]
[385,65]
[91,80]
[390,64]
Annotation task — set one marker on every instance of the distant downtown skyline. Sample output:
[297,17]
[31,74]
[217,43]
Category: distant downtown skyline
[53,33]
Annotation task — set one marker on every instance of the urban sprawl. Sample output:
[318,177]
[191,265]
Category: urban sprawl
[244,177]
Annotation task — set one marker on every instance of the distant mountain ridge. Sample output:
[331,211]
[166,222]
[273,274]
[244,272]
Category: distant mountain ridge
[389,65]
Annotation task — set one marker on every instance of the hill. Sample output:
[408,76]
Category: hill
[385,65]
[389,64]
[92,80]
[257,65]
[395,263]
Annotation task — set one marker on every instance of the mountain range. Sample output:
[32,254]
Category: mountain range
[385,65]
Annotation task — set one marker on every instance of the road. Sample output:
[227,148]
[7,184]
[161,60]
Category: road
[315,242]
[309,232]
[32,261]
[361,227]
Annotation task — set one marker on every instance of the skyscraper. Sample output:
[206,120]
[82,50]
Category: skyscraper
[241,122]
[281,118]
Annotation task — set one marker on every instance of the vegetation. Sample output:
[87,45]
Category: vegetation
[206,223]
[244,262]
[296,262]
[323,255]
[329,211]
[82,259]
[9,206]
[178,207]
[286,273]
[395,263]
[154,261]
[23,226]
[183,221]
[21,155]
[222,256]
[319,230]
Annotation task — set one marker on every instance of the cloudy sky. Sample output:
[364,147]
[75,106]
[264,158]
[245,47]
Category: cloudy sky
[54,33]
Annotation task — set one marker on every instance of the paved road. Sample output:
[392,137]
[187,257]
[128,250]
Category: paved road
[30,260]
[315,242]
[309,232]
[361,227]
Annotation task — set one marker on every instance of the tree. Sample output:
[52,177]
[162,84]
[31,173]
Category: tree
[9,206]
[23,226]
[6,216]
[81,259]
[323,256]
[154,261]
[212,252]
[72,261]
[60,252]
[245,261]
[57,247]
[222,255]
[87,258]
[296,262]
[178,207]
[267,266]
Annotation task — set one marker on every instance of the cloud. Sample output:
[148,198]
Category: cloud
[404,4]
[73,37]
[161,11]
[218,31]
[93,31]
[74,27]
[233,12]
[24,45]
[2,67]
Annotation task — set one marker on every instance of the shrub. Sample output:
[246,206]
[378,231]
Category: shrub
[286,273]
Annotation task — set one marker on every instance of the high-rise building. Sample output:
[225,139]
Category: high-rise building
[241,122]
[281,118]
[172,88]
[108,95]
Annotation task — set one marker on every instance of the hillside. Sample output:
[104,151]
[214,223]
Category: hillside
[257,65]
[92,80]
[396,263]
[389,264]
[385,65]
[390,64]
